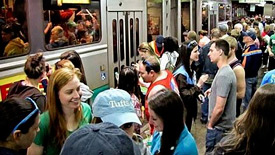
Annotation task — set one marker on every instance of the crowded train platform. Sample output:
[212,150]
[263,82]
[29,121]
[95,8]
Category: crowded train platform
[127,77]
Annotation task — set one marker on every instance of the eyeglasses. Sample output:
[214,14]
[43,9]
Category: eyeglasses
[28,116]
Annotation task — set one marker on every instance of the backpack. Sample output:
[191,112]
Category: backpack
[169,66]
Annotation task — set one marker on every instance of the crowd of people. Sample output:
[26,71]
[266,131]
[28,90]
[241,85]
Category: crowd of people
[162,89]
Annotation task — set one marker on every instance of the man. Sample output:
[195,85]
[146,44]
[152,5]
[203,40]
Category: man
[238,69]
[223,28]
[271,51]
[102,138]
[157,45]
[150,72]
[251,61]
[208,68]
[222,100]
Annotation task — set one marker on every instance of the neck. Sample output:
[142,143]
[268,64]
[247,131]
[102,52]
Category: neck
[9,145]
[155,77]
[249,43]
[68,113]
[222,62]
[32,82]
[232,57]
[190,62]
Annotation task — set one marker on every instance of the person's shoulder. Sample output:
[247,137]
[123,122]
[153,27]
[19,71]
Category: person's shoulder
[85,106]
[187,144]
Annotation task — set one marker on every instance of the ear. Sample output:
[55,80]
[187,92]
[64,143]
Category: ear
[16,135]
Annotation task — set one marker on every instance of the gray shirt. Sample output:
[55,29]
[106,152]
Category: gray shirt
[224,85]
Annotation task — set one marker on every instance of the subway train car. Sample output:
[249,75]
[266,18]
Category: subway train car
[108,33]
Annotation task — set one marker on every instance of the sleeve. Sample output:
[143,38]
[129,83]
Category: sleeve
[40,138]
[87,113]
[187,91]
[224,84]
[163,61]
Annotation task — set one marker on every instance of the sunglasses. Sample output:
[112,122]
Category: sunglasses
[28,116]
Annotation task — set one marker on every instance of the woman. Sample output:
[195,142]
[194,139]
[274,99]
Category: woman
[169,57]
[145,50]
[35,70]
[128,81]
[65,112]
[254,130]
[186,80]
[166,109]
[74,57]
[17,131]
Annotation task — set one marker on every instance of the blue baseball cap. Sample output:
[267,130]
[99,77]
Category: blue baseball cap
[97,139]
[251,34]
[115,106]
[159,40]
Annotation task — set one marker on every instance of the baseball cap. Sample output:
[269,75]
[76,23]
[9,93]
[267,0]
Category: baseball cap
[115,106]
[98,139]
[71,24]
[251,34]
[159,41]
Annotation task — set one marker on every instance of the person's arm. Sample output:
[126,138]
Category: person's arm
[217,111]
[35,150]
[240,76]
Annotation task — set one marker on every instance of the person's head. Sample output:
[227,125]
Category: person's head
[170,44]
[74,57]
[202,33]
[103,138]
[159,41]
[128,80]
[267,28]
[255,128]
[187,54]
[145,50]
[149,69]
[115,106]
[192,35]
[35,66]
[215,34]
[63,95]
[56,33]
[71,26]
[223,29]
[238,27]
[19,122]
[218,49]
[166,114]
[64,63]
[233,45]
[7,33]
[235,33]
[249,37]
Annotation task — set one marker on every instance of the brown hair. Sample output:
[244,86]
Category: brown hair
[58,126]
[35,66]
[64,63]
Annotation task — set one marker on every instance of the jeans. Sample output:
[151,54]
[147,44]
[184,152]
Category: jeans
[213,136]
[251,86]
[204,106]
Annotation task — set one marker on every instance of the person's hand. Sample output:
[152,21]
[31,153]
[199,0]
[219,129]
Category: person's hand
[271,54]
[202,79]
[207,92]
[201,98]
[136,66]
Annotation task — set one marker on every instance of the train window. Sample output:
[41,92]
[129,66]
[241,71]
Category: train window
[228,12]
[137,34]
[121,44]
[221,13]
[13,26]
[71,24]
[132,37]
[114,40]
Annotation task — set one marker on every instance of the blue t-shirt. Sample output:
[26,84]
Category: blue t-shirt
[269,77]
[186,144]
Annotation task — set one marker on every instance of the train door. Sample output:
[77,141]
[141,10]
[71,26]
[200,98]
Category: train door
[124,36]
[212,16]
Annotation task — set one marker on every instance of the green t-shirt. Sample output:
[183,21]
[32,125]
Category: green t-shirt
[272,43]
[42,137]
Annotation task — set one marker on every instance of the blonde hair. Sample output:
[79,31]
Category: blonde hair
[232,42]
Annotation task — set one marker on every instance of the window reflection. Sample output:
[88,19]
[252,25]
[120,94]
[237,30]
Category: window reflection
[74,25]
[13,27]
